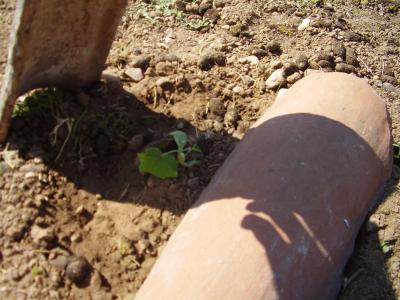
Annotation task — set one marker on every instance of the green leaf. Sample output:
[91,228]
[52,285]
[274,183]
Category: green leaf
[196,148]
[154,162]
[180,139]
[385,248]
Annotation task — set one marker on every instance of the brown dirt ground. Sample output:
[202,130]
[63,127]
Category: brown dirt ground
[71,196]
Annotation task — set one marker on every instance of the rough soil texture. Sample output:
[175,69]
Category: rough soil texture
[78,221]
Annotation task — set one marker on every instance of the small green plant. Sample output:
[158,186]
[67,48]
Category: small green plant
[115,123]
[385,248]
[41,104]
[36,271]
[166,8]
[307,3]
[165,165]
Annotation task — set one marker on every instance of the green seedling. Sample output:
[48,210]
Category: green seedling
[41,104]
[166,8]
[385,248]
[165,165]
[307,3]
[37,271]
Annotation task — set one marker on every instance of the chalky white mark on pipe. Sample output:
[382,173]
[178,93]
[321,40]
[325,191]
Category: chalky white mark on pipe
[56,43]
[270,225]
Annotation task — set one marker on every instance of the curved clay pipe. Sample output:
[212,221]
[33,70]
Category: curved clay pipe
[279,219]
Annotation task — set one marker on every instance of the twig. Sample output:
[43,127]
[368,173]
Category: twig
[155,98]
[241,77]
[347,281]
[124,192]
[365,65]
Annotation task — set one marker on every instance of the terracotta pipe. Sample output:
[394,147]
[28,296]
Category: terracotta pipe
[280,217]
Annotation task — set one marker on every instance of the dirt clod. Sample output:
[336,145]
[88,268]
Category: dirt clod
[77,269]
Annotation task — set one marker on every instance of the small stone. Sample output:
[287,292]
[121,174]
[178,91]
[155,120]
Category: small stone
[136,142]
[54,295]
[183,84]
[204,6]
[179,4]
[314,65]
[165,83]
[345,68]
[325,64]
[141,61]
[329,7]
[80,210]
[60,262]
[390,88]
[248,80]
[170,34]
[218,126]
[112,79]
[77,269]
[352,37]
[212,15]
[289,68]
[164,68]
[325,55]
[324,23]
[147,225]
[43,237]
[389,79]
[351,57]
[260,53]
[238,90]
[208,60]
[252,59]
[275,64]
[293,78]
[192,8]
[387,70]
[169,57]
[76,237]
[219,3]
[276,80]
[141,246]
[339,49]
[309,72]
[216,107]
[304,24]
[231,117]
[30,176]
[302,62]
[274,47]
[136,74]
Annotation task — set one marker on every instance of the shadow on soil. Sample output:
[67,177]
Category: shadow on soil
[365,275]
[86,138]
[96,158]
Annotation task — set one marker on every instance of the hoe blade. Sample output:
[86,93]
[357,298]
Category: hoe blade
[57,43]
